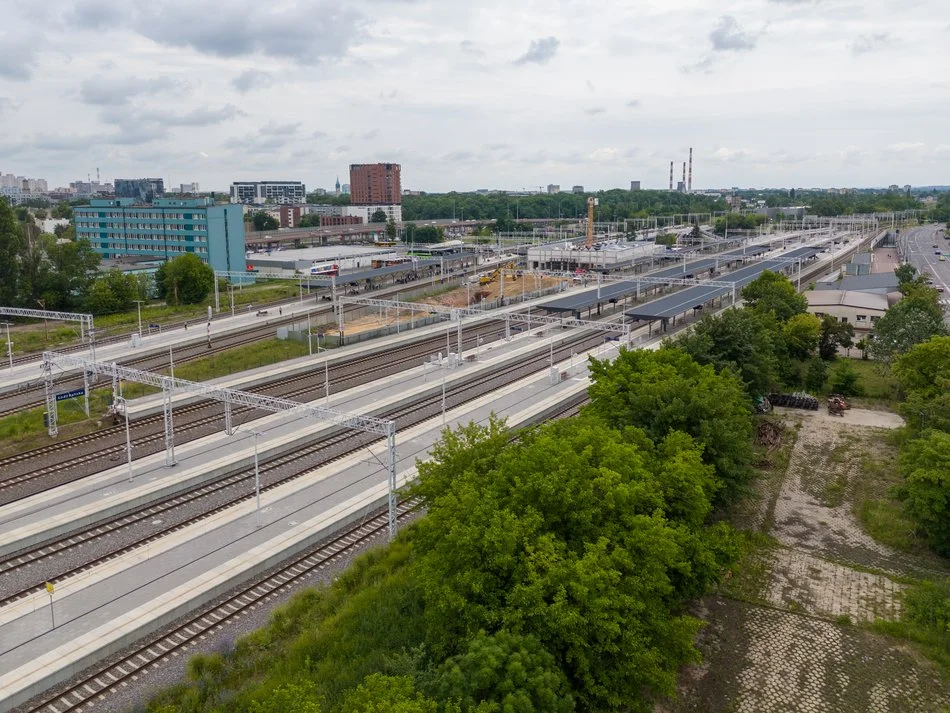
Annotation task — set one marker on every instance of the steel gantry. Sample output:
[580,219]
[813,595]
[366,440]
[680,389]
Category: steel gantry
[86,326]
[230,398]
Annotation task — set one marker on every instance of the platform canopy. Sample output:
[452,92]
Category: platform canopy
[697,297]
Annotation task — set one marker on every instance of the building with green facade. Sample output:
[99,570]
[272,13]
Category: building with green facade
[120,228]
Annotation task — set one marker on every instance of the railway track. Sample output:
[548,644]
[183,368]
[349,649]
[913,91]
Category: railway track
[149,652]
[14,401]
[26,473]
[228,490]
[94,684]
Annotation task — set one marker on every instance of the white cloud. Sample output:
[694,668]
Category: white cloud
[181,88]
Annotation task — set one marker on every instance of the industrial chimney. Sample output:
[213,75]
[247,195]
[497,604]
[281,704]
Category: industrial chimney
[689,183]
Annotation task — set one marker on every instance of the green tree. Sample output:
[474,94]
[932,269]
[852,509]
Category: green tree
[387,694]
[911,321]
[906,273]
[62,211]
[73,267]
[925,465]
[801,335]
[311,220]
[378,216]
[566,539]
[184,279]
[11,248]
[425,234]
[666,390]
[816,375]
[844,380]
[264,221]
[668,239]
[924,376]
[391,229]
[775,293]
[296,697]
[834,334]
[743,340]
[512,672]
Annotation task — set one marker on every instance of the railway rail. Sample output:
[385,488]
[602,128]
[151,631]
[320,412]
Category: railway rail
[211,497]
[14,401]
[54,464]
[95,683]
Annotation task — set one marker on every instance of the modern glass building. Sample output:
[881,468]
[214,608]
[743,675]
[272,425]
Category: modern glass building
[166,228]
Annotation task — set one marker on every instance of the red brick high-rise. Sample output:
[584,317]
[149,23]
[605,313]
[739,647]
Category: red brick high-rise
[375,184]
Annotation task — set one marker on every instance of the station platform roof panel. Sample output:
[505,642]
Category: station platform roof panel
[589,298]
[347,277]
[694,297]
[706,263]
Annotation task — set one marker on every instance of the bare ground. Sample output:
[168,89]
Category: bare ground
[787,637]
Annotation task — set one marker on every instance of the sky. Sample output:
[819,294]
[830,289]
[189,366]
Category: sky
[511,94]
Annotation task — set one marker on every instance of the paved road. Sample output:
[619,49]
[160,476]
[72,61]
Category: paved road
[917,246]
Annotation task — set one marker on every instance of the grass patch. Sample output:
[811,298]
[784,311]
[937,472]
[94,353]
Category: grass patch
[248,356]
[876,506]
[925,621]
[25,430]
[332,636]
[33,338]
[750,577]
[878,386]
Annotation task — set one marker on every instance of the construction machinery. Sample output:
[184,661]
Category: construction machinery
[591,203]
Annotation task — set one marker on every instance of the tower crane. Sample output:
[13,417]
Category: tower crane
[591,202]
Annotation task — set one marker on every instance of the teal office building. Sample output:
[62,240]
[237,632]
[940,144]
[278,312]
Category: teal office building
[164,229]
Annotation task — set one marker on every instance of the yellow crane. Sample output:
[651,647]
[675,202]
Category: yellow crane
[591,202]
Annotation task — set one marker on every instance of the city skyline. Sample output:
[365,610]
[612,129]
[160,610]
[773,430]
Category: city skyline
[494,96]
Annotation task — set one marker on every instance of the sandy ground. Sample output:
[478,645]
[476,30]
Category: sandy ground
[455,298]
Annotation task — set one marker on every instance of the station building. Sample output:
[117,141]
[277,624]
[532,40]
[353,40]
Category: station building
[121,228]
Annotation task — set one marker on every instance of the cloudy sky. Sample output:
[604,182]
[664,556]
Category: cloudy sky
[481,94]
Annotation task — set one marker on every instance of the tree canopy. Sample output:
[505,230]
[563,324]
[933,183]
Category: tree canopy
[264,221]
[915,319]
[925,465]
[664,390]
[184,279]
[378,216]
[772,292]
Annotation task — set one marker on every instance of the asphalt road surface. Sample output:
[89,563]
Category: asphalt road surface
[918,249]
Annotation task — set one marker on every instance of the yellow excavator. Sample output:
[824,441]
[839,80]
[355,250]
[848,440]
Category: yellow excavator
[493,275]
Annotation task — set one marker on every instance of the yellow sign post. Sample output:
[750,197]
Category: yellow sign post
[49,590]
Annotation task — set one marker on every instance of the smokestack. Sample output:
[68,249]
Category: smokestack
[689,183]
[684,175]
[671,175]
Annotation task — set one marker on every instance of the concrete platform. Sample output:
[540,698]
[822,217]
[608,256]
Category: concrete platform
[59,510]
[101,611]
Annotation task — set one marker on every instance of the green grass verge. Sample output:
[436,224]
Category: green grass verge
[248,356]
[34,338]
[876,506]
[878,386]
[23,431]
[925,621]
[749,578]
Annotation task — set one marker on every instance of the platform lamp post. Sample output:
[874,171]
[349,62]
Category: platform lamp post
[138,305]
[257,476]
[9,345]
